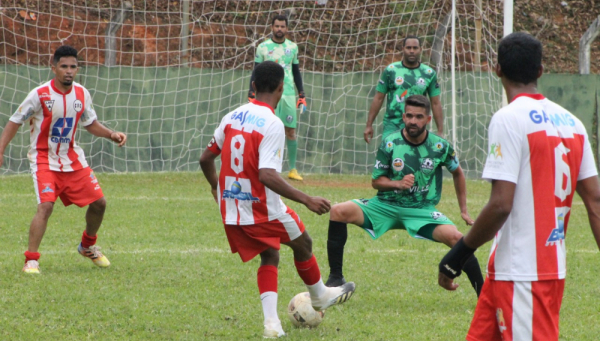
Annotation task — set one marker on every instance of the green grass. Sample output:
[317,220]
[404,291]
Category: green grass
[173,277]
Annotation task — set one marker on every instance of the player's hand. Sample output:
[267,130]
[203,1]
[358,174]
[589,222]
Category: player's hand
[451,265]
[465,216]
[251,96]
[301,100]
[214,193]
[318,205]
[118,137]
[446,282]
[368,134]
[407,182]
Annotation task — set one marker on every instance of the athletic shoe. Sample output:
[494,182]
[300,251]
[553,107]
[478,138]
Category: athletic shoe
[333,296]
[32,267]
[293,174]
[93,253]
[273,329]
[335,281]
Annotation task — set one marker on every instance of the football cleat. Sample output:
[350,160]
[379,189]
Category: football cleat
[293,174]
[273,329]
[93,253]
[333,296]
[335,281]
[32,267]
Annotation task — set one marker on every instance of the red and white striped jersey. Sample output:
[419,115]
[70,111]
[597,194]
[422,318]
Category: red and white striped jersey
[248,139]
[53,117]
[544,150]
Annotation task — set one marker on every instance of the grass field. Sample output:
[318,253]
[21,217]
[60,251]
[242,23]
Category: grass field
[173,277]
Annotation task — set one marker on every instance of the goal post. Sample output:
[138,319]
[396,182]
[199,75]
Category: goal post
[179,66]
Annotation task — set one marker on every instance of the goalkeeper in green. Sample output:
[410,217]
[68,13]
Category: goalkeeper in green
[401,80]
[285,53]
[408,175]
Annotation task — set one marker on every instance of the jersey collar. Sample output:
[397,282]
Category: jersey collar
[263,104]
[58,91]
[410,68]
[537,97]
[412,144]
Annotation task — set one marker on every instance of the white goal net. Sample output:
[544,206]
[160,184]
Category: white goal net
[165,72]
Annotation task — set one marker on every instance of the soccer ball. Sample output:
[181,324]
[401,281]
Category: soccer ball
[301,312]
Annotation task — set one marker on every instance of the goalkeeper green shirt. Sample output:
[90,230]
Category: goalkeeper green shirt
[398,157]
[284,54]
[400,82]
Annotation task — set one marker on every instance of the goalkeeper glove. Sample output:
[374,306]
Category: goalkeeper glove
[251,96]
[453,262]
[301,102]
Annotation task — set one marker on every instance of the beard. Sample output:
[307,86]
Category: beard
[414,131]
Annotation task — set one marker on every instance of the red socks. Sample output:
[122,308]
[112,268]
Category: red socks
[267,279]
[87,241]
[309,270]
[31,256]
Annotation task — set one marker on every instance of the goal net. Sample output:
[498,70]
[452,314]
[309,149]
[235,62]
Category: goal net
[165,72]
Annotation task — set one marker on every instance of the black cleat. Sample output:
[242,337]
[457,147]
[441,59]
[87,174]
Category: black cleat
[335,281]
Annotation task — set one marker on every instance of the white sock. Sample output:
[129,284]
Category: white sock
[269,304]
[317,290]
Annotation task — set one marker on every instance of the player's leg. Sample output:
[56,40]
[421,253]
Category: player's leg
[306,264]
[292,147]
[84,190]
[267,288]
[339,217]
[286,111]
[449,235]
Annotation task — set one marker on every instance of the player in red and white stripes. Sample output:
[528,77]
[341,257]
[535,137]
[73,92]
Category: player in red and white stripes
[539,155]
[250,141]
[54,110]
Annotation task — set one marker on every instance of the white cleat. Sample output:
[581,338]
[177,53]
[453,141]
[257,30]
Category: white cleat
[333,296]
[273,329]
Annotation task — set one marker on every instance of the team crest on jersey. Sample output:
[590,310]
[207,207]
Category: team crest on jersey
[429,71]
[438,216]
[288,52]
[390,144]
[439,146]
[49,104]
[289,118]
[391,66]
[77,105]
[427,165]
[501,321]
[398,164]
[270,53]
[421,82]
[558,234]
[399,80]
[495,151]
[47,188]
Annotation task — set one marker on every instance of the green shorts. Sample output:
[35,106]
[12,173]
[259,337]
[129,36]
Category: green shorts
[391,125]
[418,222]
[286,111]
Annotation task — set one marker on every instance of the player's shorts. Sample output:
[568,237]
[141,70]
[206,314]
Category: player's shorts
[418,222]
[79,187]
[286,111]
[392,125]
[517,311]
[251,240]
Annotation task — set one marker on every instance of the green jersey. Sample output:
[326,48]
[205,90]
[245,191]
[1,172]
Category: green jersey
[398,157]
[284,54]
[400,82]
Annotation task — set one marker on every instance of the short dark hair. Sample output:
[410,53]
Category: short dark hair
[418,101]
[63,51]
[410,36]
[520,57]
[279,17]
[267,76]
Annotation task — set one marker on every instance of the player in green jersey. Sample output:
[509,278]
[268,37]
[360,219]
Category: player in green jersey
[399,81]
[284,52]
[408,177]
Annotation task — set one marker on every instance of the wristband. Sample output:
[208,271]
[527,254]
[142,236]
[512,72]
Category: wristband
[453,262]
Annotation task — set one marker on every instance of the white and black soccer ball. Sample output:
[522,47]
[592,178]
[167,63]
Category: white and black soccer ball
[301,312]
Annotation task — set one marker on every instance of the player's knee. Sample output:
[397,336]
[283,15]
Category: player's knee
[336,213]
[269,257]
[45,209]
[455,237]
[99,206]
[343,213]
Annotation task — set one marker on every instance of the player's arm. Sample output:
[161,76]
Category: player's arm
[98,129]
[271,179]
[9,132]
[373,111]
[487,224]
[299,86]
[460,187]
[438,116]
[383,183]
[589,191]
[207,163]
